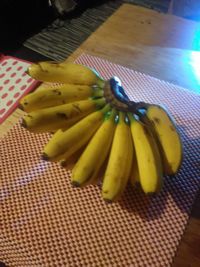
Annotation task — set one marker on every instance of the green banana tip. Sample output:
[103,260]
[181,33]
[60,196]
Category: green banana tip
[111,114]
[114,111]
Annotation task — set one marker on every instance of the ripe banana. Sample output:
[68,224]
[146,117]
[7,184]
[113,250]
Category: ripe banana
[72,160]
[148,157]
[54,95]
[168,138]
[64,72]
[100,174]
[59,117]
[119,163]
[134,177]
[64,143]
[129,165]
[88,166]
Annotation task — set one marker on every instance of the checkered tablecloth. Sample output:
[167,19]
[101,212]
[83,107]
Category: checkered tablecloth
[46,222]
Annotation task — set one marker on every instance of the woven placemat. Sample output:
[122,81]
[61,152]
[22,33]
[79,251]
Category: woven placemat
[60,39]
[46,222]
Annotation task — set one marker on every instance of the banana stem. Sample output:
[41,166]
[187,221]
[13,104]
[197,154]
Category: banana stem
[123,102]
[118,90]
[134,107]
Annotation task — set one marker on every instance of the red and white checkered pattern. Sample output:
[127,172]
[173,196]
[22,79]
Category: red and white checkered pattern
[45,222]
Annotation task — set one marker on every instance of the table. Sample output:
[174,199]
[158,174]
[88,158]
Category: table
[160,45]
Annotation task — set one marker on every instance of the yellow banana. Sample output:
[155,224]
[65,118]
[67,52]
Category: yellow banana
[58,95]
[64,72]
[129,172]
[148,157]
[62,116]
[100,174]
[72,160]
[119,163]
[134,177]
[168,138]
[64,143]
[86,169]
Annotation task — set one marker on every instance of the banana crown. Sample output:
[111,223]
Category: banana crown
[111,115]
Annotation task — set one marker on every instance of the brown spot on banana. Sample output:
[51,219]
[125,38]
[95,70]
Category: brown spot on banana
[105,191]
[156,120]
[76,106]
[62,115]
[146,132]
[56,91]
[172,128]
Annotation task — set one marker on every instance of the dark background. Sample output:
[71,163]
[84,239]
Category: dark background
[20,19]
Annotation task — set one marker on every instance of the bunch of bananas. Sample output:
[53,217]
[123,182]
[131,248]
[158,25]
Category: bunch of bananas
[98,132]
